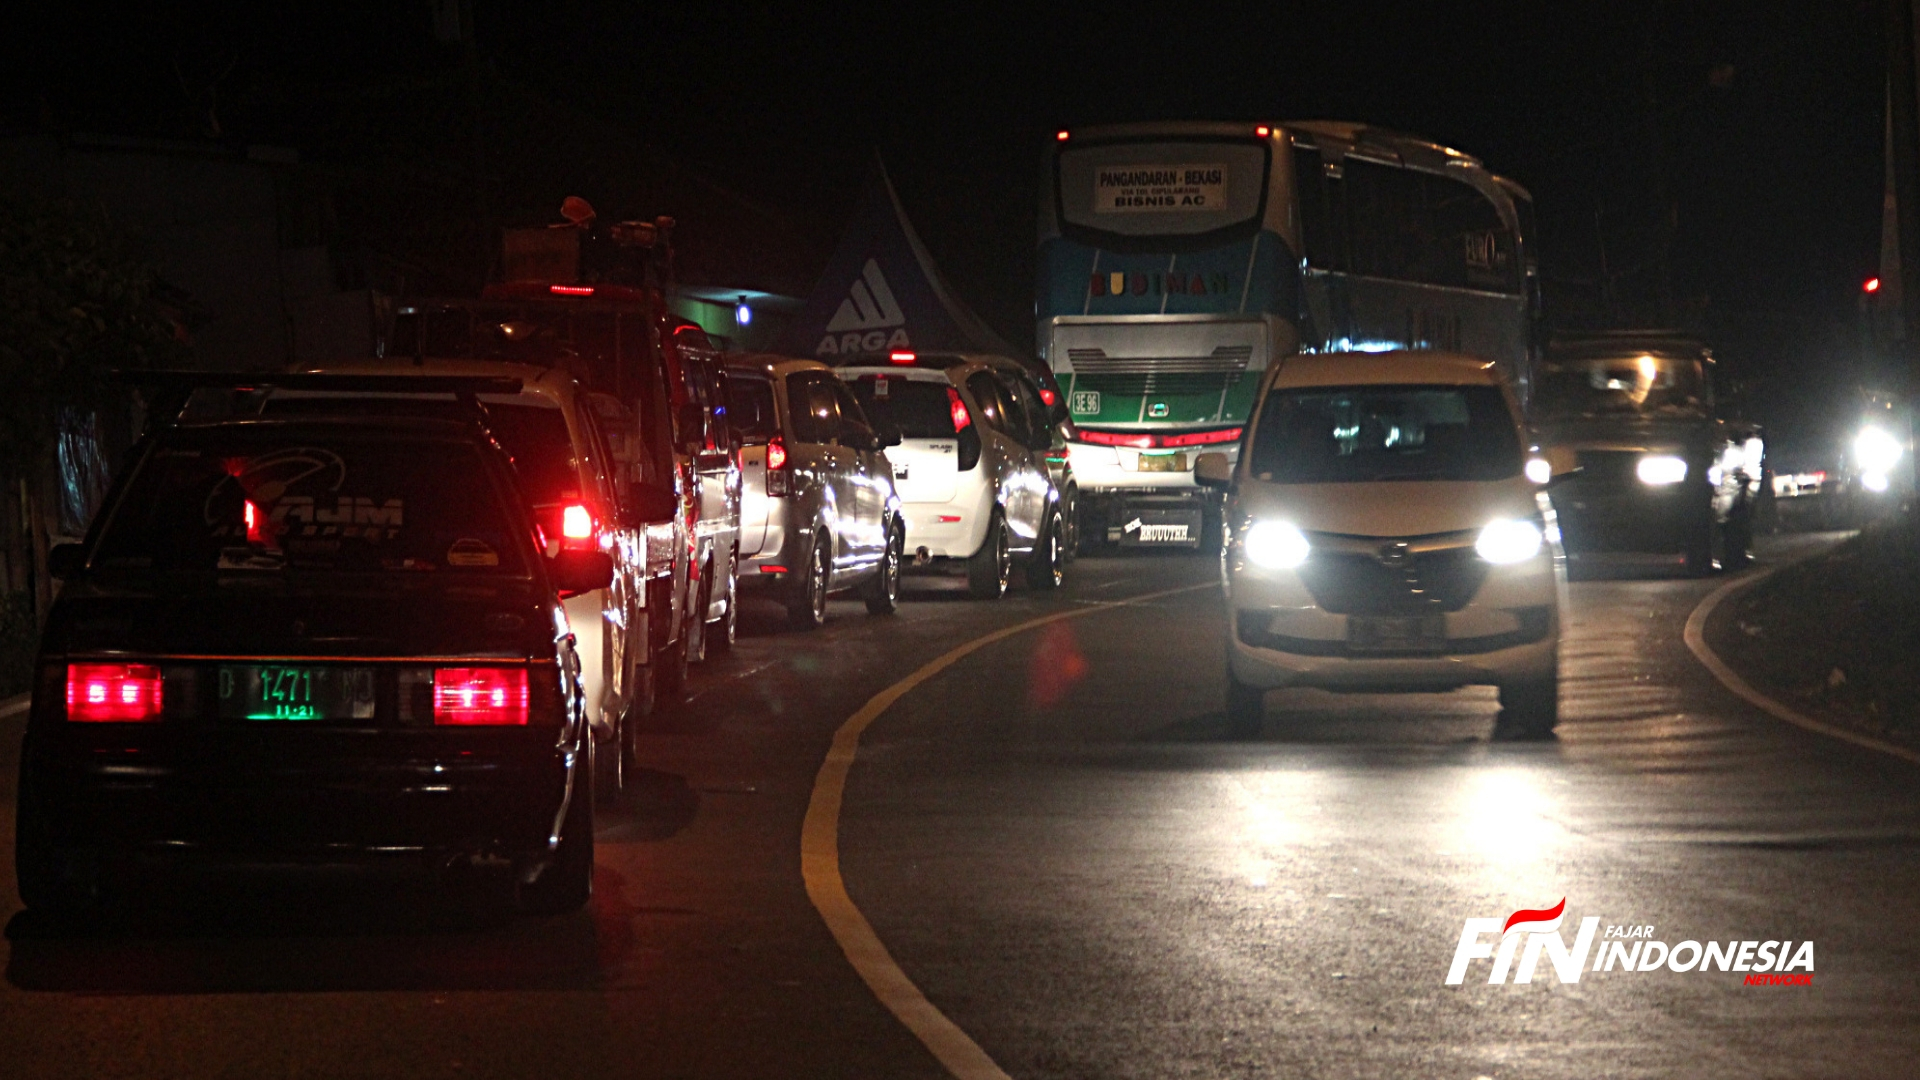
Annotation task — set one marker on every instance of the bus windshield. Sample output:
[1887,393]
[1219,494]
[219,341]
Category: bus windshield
[1641,384]
[1360,434]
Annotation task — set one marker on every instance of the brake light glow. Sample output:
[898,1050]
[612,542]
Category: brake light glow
[570,290]
[576,523]
[114,693]
[948,519]
[254,535]
[1060,136]
[1153,442]
[769,568]
[958,408]
[1048,397]
[901,356]
[776,453]
[1263,131]
[473,697]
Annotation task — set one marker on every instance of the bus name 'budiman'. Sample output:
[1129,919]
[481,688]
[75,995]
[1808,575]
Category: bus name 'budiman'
[1157,284]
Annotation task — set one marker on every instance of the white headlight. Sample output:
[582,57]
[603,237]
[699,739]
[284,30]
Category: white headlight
[1874,481]
[1876,450]
[1661,469]
[1276,545]
[1538,470]
[1509,542]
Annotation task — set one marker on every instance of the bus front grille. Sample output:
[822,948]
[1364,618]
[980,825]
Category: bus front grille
[1225,358]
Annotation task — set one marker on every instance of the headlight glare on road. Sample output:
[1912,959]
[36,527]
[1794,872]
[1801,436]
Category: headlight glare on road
[1509,541]
[1661,469]
[1276,545]
[1876,450]
[1538,470]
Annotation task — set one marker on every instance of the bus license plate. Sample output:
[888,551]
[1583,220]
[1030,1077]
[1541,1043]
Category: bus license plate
[295,692]
[1415,633]
[1163,463]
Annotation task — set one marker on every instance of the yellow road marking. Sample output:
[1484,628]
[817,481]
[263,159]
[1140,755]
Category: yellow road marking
[820,859]
[1696,638]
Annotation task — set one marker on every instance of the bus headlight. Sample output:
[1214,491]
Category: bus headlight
[1509,542]
[1538,470]
[1876,450]
[1276,545]
[1661,469]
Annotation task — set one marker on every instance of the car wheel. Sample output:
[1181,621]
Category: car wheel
[721,638]
[807,599]
[1700,550]
[1087,535]
[36,861]
[610,763]
[1529,708]
[1047,566]
[1246,708]
[989,569]
[697,628]
[670,680]
[1070,523]
[566,884]
[883,592]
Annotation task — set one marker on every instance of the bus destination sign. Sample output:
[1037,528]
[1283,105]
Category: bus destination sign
[1148,189]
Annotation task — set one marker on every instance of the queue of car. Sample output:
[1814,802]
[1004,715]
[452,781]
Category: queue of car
[410,613]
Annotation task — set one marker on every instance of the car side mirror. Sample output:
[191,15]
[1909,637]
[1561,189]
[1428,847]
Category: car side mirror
[652,502]
[66,560]
[888,433]
[1213,470]
[576,571]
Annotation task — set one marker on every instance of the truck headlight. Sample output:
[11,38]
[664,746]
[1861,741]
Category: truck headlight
[1876,450]
[1661,469]
[1276,545]
[1509,542]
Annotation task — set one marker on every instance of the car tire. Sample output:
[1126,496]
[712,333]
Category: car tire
[721,637]
[37,862]
[697,628]
[670,680]
[882,593]
[990,568]
[610,763]
[1070,522]
[1700,550]
[567,882]
[1246,709]
[807,594]
[1088,536]
[1529,708]
[1047,566]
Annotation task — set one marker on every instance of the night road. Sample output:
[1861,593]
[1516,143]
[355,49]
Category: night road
[1056,844]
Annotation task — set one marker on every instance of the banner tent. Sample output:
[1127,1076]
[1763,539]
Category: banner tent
[881,292]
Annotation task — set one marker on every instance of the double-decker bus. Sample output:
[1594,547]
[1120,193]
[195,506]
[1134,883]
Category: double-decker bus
[1177,260]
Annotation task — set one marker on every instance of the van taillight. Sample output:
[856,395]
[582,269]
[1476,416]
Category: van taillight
[778,482]
[473,697]
[114,693]
[576,523]
[961,418]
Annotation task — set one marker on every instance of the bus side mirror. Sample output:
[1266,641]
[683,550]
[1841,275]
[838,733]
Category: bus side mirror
[1213,470]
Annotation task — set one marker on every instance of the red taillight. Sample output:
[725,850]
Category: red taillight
[576,523]
[1108,438]
[772,569]
[776,454]
[900,356]
[1149,442]
[570,290]
[1048,397]
[114,693]
[959,410]
[254,534]
[480,696]
[1263,131]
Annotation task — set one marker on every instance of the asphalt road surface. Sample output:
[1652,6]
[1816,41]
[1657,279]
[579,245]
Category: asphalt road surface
[1058,846]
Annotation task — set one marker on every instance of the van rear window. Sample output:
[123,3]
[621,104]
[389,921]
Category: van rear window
[255,502]
[919,408]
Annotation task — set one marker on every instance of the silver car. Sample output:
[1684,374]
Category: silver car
[818,509]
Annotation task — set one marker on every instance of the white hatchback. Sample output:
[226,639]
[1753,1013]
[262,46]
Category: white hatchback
[971,467]
[1385,537]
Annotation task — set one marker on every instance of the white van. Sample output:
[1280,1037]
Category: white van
[1384,536]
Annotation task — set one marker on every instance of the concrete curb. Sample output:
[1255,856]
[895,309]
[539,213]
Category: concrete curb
[1696,638]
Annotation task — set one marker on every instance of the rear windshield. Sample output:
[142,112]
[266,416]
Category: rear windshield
[1369,433]
[535,435]
[750,406]
[920,409]
[247,501]
[1637,384]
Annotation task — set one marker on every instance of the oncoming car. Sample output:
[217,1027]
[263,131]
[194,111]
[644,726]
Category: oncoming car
[314,643]
[971,467]
[1384,537]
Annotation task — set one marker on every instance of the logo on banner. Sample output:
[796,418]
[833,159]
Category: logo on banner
[865,316]
[1532,933]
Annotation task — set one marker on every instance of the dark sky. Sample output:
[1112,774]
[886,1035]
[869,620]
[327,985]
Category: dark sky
[1760,122]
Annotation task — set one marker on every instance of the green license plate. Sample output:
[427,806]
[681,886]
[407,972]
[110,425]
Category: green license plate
[295,692]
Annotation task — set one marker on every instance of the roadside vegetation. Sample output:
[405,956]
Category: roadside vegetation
[1837,635]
